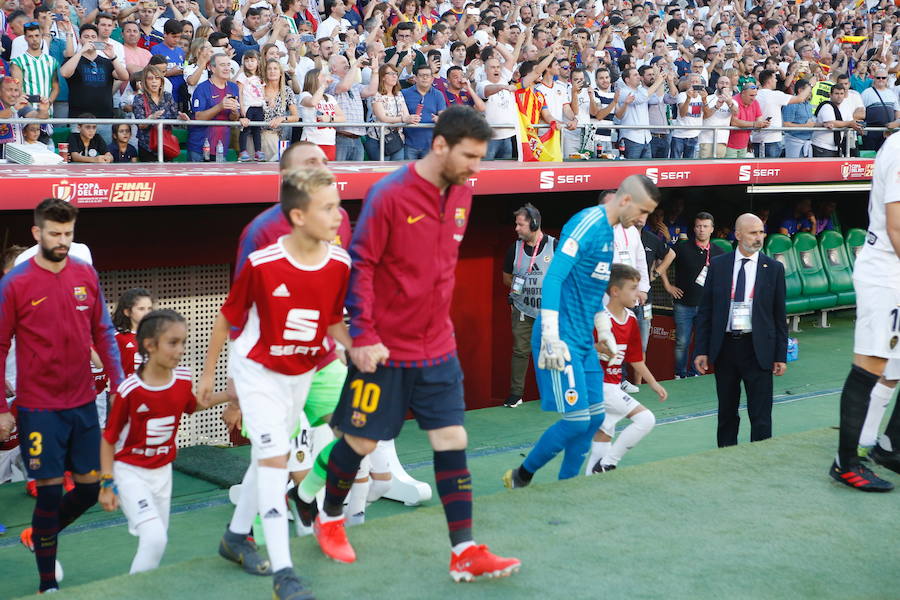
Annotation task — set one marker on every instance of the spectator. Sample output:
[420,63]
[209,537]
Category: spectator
[425,101]
[747,117]
[317,106]
[37,71]
[280,107]
[691,267]
[170,49]
[718,112]
[153,103]
[31,136]
[388,106]
[882,110]
[692,107]
[582,106]
[335,9]
[350,95]
[558,97]
[828,114]
[120,149]
[147,12]
[15,27]
[215,99]
[632,110]
[658,103]
[90,76]
[232,28]
[196,68]
[459,90]
[801,218]
[13,104]
[106,24]
[798,144]
[404,55]
[499,105]
[86,146]
[826,217]
[606,101]
[770,144]
[136,58]
[250,82]
[41,26]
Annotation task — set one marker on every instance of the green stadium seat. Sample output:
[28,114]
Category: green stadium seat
[854,240]
[779,247]
[181,135]
[812,272]
[182,157]
[837,267]
[724,244]
[60,133]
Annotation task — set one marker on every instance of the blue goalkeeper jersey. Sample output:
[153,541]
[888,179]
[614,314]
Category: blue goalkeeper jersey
[576,280]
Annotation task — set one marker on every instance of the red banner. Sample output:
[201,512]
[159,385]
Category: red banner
[195,184]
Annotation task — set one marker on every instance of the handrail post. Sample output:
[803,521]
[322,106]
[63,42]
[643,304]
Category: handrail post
[160,157]
[381,143]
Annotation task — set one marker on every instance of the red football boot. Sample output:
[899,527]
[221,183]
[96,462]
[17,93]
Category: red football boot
[332,538]
[477,561]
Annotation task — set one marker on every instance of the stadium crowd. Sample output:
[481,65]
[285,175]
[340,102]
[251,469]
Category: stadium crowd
[766,67]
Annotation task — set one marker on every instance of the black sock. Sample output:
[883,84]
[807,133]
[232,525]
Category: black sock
[524,474]
[75,503]
[854,405]
[342,467]
[454,486]
[45,527]
[892,431]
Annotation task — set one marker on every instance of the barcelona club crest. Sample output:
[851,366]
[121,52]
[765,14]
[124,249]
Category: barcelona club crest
[80,293]
[358,419]
[34,464]
[64,191]
[460,216]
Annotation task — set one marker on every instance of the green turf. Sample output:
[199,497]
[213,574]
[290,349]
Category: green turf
[755,521]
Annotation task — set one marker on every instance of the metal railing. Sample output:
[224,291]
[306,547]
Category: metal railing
[160,125]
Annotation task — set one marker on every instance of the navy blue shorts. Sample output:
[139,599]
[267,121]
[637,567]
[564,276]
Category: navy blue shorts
[374,405]
[55,441]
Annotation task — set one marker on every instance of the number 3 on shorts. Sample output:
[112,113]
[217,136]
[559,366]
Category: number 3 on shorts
[365,395]
[36,443]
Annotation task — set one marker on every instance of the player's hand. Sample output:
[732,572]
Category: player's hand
[204,389]
[7,424]
[606,342]
[701,363]
[10,390]
[233,417]
[660,391]
[367,358]
[779,368]
[108,499]
[554,354]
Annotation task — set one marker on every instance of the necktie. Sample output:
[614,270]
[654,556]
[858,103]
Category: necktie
[741,282]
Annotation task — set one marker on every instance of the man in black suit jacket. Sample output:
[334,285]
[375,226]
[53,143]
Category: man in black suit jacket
[742,331]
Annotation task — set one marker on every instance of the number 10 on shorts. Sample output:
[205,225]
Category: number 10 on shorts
[365,400]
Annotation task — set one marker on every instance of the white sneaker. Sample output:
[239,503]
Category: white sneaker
[630,388]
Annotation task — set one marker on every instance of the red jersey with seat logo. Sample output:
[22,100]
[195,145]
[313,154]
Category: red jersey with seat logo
[128,350]
[628,340]
[284,308]
[143,421]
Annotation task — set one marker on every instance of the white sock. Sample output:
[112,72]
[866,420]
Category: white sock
[598,451]
[247,505]
[641,424]
[151,546]
[460,548]
[378,488]
[357,498]
[878,403]
[273,510]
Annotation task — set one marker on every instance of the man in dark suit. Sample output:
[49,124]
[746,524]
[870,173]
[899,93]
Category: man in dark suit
[742,331]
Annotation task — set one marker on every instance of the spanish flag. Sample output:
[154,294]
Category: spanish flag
[533,146]
[852,39]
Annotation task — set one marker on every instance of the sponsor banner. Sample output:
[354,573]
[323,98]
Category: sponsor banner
[192,184]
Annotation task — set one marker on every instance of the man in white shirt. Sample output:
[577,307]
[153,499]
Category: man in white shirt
[767,143]
[335,19]
[500,109]
[606,101]
[825,143]
[632,110]
[691,106]
[557,94]
[720,107]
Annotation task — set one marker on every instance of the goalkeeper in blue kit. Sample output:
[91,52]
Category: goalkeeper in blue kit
[568,373]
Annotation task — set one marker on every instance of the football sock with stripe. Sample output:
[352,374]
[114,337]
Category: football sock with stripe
[641,424]
[454,486]
[247,505]
[315,479]
[342,467]
[878,403]
[45,526]
[75,503]
[552,441]
[854,405]
[273,510]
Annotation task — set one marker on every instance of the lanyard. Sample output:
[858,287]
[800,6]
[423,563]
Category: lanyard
[624,234]
[705,250]
[745,275]
[534,254]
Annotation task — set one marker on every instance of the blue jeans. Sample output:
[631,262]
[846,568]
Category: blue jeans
[410,153]
[768,150]
[499,149]
[685,319]
[684,147]
[659,146]
[348,149]
[195,156]
[635,150]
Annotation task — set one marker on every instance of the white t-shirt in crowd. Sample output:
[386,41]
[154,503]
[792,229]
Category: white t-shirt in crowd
[771,103]
[500,109]
[322,136]
[556,96]
[694,117]
[825,139]
[721,117]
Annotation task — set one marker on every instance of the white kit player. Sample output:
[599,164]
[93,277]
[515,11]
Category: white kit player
[876,278]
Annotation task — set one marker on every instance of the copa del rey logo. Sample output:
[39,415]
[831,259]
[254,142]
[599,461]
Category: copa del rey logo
[64,191]
[856,171]
[98,192]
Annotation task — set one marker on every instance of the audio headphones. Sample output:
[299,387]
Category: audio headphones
[534,216]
